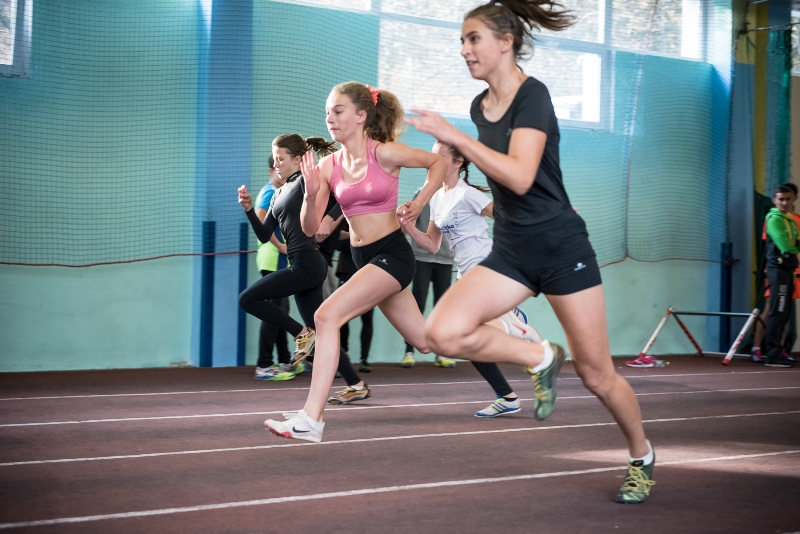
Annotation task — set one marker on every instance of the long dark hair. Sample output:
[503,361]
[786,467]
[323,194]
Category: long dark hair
[520,18]
[384,118]
[295,145]
[464,167]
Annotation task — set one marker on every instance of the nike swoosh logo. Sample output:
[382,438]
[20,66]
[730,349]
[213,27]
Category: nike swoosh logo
[294,429]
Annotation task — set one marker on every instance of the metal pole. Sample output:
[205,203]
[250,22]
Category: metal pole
[740,337]
[655,334]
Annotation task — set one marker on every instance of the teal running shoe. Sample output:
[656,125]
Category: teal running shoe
[544,383]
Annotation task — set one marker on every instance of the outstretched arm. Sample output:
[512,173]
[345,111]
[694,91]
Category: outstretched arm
[263,230]
[515,170]
[396,155]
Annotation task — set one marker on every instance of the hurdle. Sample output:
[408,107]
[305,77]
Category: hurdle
[751,317]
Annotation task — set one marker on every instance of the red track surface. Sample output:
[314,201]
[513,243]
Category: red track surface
[184,450]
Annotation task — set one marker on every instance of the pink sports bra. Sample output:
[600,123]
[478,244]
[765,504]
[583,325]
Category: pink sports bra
[375,193]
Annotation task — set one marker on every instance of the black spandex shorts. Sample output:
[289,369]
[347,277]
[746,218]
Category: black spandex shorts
[553,257]
[392,253]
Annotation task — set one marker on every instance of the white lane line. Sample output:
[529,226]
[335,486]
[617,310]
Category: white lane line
[360,407]
[415,384]
[387,438]
[365,491]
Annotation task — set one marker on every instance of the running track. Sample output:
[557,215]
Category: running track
[184,450]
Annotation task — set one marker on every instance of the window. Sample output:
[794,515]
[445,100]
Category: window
[15,34]
[669,27]
[348,5]
[419,56]
[796,43]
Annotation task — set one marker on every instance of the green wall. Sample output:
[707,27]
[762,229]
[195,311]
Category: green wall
[98,145]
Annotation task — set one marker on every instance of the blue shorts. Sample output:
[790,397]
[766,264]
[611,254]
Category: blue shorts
[553,257]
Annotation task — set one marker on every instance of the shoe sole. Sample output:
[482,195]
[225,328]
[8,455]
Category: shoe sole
[560,357]
[782,365]
[407,365]
[341,402]
[444,366]
[645,366]
[507,412]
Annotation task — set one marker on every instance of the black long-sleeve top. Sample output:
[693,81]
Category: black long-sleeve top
[284,212]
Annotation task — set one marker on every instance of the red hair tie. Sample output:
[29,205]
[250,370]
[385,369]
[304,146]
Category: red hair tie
[374,93]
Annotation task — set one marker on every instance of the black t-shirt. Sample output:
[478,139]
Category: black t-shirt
[547,198]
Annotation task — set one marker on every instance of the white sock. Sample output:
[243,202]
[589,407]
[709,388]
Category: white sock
[311,422]
[648,458]
[548,357]
[756,348]
[357,388]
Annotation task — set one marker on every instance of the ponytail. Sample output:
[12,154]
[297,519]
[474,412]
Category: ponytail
[521,18]
[321,146]
[384,113]
[297,146]
[455,154]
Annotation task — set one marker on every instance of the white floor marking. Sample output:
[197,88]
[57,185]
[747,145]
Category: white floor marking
[361,407]
[415,384]
[291,443]
[365,491]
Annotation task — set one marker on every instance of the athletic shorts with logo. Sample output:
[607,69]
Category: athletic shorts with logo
[553,257]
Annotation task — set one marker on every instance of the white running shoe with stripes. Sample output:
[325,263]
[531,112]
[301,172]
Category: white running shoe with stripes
[499,407]
[513,321]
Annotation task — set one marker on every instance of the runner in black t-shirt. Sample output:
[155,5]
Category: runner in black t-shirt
[540,244]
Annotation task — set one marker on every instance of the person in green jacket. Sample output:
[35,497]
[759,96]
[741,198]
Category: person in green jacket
[782,251]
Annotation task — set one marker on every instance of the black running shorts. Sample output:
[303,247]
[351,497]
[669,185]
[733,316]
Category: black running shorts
[392,253]
[553,257]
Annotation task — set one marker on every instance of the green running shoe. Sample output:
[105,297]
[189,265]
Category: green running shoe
[544,383]
[282,376]
[637,484]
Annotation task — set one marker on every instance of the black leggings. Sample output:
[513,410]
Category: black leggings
[366,327]
[440,275]
[303,279]
[271,336]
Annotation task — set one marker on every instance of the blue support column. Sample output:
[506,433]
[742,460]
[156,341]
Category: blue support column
[207,295]
[227,147]
[726,276]
[241,345]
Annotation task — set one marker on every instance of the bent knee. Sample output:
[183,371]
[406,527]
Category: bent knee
[245,300]
[445,338]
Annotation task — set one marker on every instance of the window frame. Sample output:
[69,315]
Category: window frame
[20,63]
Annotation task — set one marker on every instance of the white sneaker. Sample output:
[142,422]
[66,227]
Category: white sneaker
[298,426]
[408,360]
[519,329]
[499,407]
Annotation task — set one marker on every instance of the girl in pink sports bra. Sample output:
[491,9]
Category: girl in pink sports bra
[364,180]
